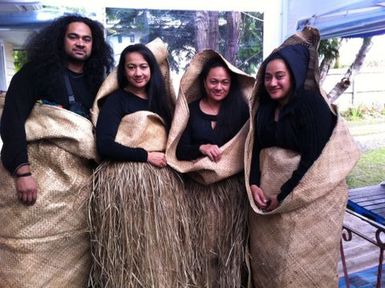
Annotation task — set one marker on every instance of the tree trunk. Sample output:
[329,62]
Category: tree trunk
[213,30]
[233,29]
[201,30]
[330,50]
[206,30]
[324,68]
[344,83]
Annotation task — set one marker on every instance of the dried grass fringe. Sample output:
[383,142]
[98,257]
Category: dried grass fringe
[140,227]
[219,214]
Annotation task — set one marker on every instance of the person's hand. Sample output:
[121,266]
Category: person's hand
[259,197]
[273,203]
[212,151]
[158,159]
[26,188]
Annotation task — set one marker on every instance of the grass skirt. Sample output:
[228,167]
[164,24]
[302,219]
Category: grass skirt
[219,213]
[140,232]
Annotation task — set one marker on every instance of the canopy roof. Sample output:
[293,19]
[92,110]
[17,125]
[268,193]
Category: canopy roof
[359,18]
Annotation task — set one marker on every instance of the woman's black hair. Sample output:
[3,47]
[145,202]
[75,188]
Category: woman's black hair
[233,106]
[264,96]
[296,59]
[159,100]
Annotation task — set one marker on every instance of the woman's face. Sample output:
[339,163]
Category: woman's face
[137,70]
[278,82]
[217,84]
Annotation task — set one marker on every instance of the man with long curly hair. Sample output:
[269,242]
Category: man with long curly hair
[67,62]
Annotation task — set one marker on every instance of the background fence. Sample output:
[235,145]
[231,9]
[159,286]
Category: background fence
[367,88]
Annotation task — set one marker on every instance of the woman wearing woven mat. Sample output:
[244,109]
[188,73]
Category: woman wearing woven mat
[137,211]
[298,154]
[288,117]
[216,115]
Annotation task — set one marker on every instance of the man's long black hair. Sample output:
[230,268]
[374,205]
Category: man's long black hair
[45,50]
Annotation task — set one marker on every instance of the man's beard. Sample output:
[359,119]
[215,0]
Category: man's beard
[74,60]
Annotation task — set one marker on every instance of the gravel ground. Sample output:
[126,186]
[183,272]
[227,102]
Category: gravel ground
[369,142]
[369,136]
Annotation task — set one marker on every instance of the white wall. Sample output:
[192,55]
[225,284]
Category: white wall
[9,65]
[2,67]
[273,28]
[281,18]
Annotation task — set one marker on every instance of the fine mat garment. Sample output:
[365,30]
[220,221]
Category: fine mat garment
[47,244]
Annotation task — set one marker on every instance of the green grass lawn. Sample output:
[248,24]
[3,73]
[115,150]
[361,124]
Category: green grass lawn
[370,169]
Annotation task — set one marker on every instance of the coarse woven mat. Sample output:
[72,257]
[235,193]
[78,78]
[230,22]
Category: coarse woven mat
[47,244]
[296,245]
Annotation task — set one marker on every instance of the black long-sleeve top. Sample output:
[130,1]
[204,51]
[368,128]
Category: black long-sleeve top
[304,126]
[26,87]
[199,131]
[117,105]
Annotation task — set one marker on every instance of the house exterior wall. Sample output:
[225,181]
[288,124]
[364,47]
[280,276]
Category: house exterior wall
[9,64]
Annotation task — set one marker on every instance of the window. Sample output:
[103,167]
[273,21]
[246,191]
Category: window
[236,35]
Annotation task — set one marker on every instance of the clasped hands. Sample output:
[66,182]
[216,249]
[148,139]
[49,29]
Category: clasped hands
[262,201]
[212,151]
[157,159]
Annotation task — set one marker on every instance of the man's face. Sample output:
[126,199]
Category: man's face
[78,41]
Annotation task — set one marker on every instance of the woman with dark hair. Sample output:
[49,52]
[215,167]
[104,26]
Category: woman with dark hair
[216,117]
[206,142]
[141,87]
[138,212]
[290,117]
[298,153]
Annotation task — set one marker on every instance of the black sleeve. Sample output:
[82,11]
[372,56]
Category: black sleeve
[255,172]
[316,122]
[245,115]
[186,149]
[19,101]
[107,126]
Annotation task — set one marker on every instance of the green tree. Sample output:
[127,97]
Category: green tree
[329,52]
[19,59]
[237,36]
[250,51]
